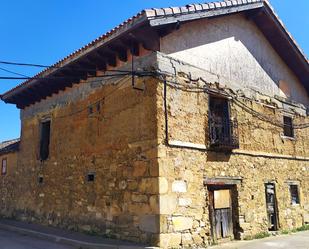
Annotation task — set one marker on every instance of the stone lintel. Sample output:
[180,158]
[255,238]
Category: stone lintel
[223,181]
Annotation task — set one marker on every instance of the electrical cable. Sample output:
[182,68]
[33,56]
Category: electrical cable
[169,83]
[197,89]
[12,72]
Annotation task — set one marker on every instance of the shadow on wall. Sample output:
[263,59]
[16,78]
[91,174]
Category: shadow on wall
[213,156]
[244,53]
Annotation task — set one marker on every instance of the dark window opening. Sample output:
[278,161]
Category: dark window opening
[222,129]
[4,166]
[41,179]
[45,139]
[90,110]
[98,105]
[90,177]
[294,194]
[288,126]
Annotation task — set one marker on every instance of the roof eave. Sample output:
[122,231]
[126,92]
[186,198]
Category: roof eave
[142,19]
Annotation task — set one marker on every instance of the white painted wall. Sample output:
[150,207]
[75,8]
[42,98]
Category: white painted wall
[235,49]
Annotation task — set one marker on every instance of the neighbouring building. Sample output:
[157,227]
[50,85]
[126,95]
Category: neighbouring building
[8,160]
[179,128]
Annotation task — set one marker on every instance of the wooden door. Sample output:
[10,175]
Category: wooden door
[221,213]
[271,206]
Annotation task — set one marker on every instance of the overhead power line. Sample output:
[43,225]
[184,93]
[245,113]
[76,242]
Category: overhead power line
[134,73]
[23,64]
[12,72]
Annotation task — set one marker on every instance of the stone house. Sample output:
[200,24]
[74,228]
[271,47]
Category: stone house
[8,160]
[179,128]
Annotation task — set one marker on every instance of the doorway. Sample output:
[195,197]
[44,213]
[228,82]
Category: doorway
[271,206]
[221,212]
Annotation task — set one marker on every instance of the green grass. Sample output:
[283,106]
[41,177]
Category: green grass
[299,229]
[266,234]
[257,236]
[285,232]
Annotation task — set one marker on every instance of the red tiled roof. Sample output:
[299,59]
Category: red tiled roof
[155,14]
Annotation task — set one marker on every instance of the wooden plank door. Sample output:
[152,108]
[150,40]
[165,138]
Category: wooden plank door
[221,218]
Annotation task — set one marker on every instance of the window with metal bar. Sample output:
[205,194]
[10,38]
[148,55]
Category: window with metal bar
[294,194]
[288,130]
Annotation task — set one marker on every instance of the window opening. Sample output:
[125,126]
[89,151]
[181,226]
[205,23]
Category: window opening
[288,126]
[45,139]
[4,166]
[294,194]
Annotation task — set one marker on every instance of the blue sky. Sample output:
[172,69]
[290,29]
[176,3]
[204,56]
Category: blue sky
[43,32]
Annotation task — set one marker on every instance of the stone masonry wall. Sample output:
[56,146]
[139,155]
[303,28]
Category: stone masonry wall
[8,181]
[264,156]
[110,132]
[146,190]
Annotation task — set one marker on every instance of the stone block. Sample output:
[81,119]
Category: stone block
[150,223]
[163,185]
[179,187]
[181,223]
[139,198]
[189,176]
[186,239]
[168,204]
[184,202]
[306,218]
[170,240]
[154,204]
[139,168]
[149,185]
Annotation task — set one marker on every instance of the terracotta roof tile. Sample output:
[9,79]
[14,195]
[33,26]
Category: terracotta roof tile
[228,3]
[168,11]
[198,7]
[223,4]
[211,5]
[9,146]
[205,6]
[150,14]
[184,9]
[176,10]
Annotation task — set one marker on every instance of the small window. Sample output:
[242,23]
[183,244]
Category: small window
[288,126]
[44,140]
[98,106]
[41,179]
[294,194]
[90,177]
[4,166]
[90,110]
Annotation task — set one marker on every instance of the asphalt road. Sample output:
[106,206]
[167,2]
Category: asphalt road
[12,240]
[298,240]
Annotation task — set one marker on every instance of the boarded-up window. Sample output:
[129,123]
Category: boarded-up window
[294,194]
[4,166]
[288,126]
[44,140]
[222,198]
